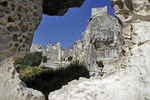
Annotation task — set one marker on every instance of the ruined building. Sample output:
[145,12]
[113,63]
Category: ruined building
[99,49]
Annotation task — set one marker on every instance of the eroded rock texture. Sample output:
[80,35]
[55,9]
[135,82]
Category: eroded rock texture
[131,81]
[59,7]
[102,40]
[11,87]
[18,21]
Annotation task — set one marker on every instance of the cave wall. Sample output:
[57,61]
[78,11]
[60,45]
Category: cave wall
[59,7]
[18,21]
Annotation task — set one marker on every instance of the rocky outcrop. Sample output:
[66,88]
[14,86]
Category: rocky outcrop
[131,81]
[113,86]
[59,7]
[18,21]
[102,41]
[11,87]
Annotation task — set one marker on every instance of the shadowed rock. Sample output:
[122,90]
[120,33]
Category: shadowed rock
[59,7]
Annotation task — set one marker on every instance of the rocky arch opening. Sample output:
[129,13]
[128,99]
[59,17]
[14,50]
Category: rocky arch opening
[68,56]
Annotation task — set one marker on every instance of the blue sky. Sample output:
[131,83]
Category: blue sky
[68,28]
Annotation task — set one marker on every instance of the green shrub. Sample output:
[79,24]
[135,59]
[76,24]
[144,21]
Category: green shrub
[18,61]
[48,80]
[31,59]
[44,59]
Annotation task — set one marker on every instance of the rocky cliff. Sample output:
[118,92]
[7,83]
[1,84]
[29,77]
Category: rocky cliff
[59,7]
[11,87]
[102,41]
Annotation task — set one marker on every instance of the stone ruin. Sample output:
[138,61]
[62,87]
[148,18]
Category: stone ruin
[20,18]
[99,49]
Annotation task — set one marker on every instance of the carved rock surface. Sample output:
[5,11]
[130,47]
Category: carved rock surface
[59,7]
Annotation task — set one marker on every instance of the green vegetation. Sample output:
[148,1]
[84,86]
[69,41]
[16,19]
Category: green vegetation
[31,59]
[48,80]
[44,59]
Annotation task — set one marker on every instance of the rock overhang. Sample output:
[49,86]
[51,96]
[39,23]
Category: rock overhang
[59,7]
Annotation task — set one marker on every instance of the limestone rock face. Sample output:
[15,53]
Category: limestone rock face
[52,51]
[113,86]
[131,81]
[11,87]
[59,7]
[136,23]
[102,40]
[18,21]
[36,47]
